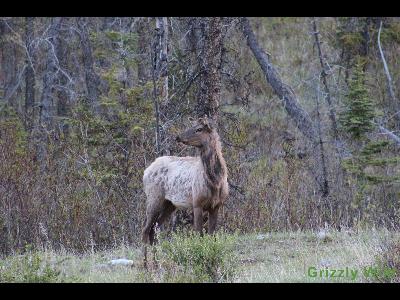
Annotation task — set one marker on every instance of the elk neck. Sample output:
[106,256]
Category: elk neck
[212,160]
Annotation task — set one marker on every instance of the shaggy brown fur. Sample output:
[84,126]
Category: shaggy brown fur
[197,183]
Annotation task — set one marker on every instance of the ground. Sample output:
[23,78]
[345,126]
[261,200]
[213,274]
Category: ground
[262,257]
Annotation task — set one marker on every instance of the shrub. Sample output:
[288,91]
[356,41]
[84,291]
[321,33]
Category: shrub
[190,257]
[30,267]
[387,263]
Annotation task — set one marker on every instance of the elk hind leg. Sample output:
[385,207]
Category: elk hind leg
[152,214]
[167,210]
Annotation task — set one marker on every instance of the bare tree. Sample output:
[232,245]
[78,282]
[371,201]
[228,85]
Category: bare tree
[290,102]
[47,106]
[340,145]
[324,75]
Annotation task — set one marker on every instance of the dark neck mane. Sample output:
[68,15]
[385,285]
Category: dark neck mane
[213,162]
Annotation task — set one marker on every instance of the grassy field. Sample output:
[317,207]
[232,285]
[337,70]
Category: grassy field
[261,257]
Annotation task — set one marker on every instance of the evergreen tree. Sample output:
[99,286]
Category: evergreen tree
[359,108]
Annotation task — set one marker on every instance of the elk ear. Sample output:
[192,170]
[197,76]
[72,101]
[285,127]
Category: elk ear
[203,121]
[207,122]
[204,118]
[211,124]
[208,127]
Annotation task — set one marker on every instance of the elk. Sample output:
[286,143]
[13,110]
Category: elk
[198,183]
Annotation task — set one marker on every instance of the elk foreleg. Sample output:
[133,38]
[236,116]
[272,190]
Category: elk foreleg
[198,219]
[212,220]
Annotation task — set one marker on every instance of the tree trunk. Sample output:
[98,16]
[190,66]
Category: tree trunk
[210,79]
[9,64]
[63,95]
[46,104]
[162,56]
[92,79]
[366,37]
[156,63]
[143,31]
[324,185]
[47,107]
[29,73]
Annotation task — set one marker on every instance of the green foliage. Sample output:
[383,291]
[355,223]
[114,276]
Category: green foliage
[349,34]
[359,108]
[391,33]
[127,40]
[31,267]
[106,137]
[11,125]
[91,191]
[387,263]
[351,40]
[371,167]
[190,257]
[369,157]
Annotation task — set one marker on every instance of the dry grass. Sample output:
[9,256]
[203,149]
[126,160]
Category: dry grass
[264,257]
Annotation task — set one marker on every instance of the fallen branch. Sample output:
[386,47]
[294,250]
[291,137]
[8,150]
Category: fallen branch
[390,134]
[299,116]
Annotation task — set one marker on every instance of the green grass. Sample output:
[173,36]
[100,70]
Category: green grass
[90,267]
[261,257]
[286,257]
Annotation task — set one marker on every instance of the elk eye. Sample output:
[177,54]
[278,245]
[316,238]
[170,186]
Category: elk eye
[199,129]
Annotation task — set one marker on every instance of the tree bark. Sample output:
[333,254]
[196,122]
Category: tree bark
[162,56]
[325,184]
[92,79]
[46,103]
[210,79]
[9,64]
[155,59]
[63,96]
[29,73]
[366,37]
[289,100]
[143,31]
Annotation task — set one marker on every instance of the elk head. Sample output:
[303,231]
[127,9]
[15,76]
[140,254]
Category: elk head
[199,134]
